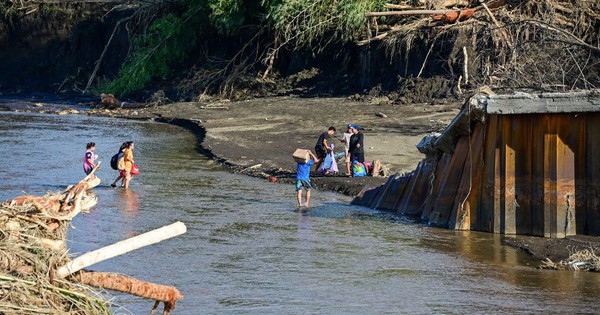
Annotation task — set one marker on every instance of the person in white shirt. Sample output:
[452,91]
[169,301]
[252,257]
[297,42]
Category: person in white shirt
[346,140]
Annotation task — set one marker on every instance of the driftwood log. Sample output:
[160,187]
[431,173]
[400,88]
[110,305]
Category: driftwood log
[160,293]
[121,247]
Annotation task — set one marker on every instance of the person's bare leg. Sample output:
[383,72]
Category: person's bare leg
[299,197]
[126,181]
[114,184]
[307,198]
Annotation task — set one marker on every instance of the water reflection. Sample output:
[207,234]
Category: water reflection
[128,202]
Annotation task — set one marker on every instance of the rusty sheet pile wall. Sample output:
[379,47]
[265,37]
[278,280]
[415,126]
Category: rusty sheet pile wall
[535,173]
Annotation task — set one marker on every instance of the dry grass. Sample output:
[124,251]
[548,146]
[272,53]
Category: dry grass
[27,266]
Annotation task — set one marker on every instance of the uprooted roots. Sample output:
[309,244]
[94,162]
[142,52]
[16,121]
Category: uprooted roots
[544,44]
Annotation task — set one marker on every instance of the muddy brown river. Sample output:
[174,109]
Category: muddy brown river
[248,250]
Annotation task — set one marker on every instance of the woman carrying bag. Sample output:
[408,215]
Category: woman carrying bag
[130,167]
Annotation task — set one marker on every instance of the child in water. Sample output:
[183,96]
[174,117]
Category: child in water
[89,159]
[303,179]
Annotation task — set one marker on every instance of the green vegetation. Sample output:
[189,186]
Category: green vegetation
[170,40]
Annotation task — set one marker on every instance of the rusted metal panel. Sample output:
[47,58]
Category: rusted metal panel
[477,148]
[498,178]
[579,139]
[440,172]
[592,182]
[516,175]
[394,192]
[449,185]
[537,178]
[418,192]
[460,215]
[565,177]
[549,175]
[508,201]
[486,204]
[521,142]
[382,191]
[366,195]
[408,190]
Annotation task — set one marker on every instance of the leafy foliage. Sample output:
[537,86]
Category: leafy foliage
[169,41]
[315,23]
[306,24]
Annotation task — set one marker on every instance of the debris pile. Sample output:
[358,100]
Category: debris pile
[542,44]
[37,275]
[581,260]
[32,244]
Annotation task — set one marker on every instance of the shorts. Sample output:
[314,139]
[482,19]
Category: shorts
[320,152]
[302,183]
[357,156]
[88,171]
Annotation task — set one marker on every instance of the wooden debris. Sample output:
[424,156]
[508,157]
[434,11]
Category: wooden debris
[121,247]
[454,16]
[401,6]
[167,294]
[408,12]
[455,3]
[504,33]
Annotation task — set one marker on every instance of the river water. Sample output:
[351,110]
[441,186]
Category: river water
[248,250]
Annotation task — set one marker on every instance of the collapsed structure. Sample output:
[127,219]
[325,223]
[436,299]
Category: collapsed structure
[510,164]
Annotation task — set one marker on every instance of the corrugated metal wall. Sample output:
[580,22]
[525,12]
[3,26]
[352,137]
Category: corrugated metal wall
[536,174]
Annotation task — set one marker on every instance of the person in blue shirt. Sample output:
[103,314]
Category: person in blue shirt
[303,178]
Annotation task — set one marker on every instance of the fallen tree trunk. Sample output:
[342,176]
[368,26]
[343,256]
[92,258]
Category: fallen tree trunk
[126,284]
[121,247]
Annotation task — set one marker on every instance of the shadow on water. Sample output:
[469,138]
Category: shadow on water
[248,249]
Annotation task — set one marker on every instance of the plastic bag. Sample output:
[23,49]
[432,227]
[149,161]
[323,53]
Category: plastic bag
[134,169]
[358,169]
[329,165]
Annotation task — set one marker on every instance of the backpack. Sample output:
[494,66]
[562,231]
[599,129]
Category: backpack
[121,162]
[358,169]
[114,162]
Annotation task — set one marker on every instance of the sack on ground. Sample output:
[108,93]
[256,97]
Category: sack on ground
[114,162]
[301,155]
[121,163]
[358,169]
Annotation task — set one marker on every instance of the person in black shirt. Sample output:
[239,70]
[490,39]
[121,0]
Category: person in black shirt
[357,150]
[322,146]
